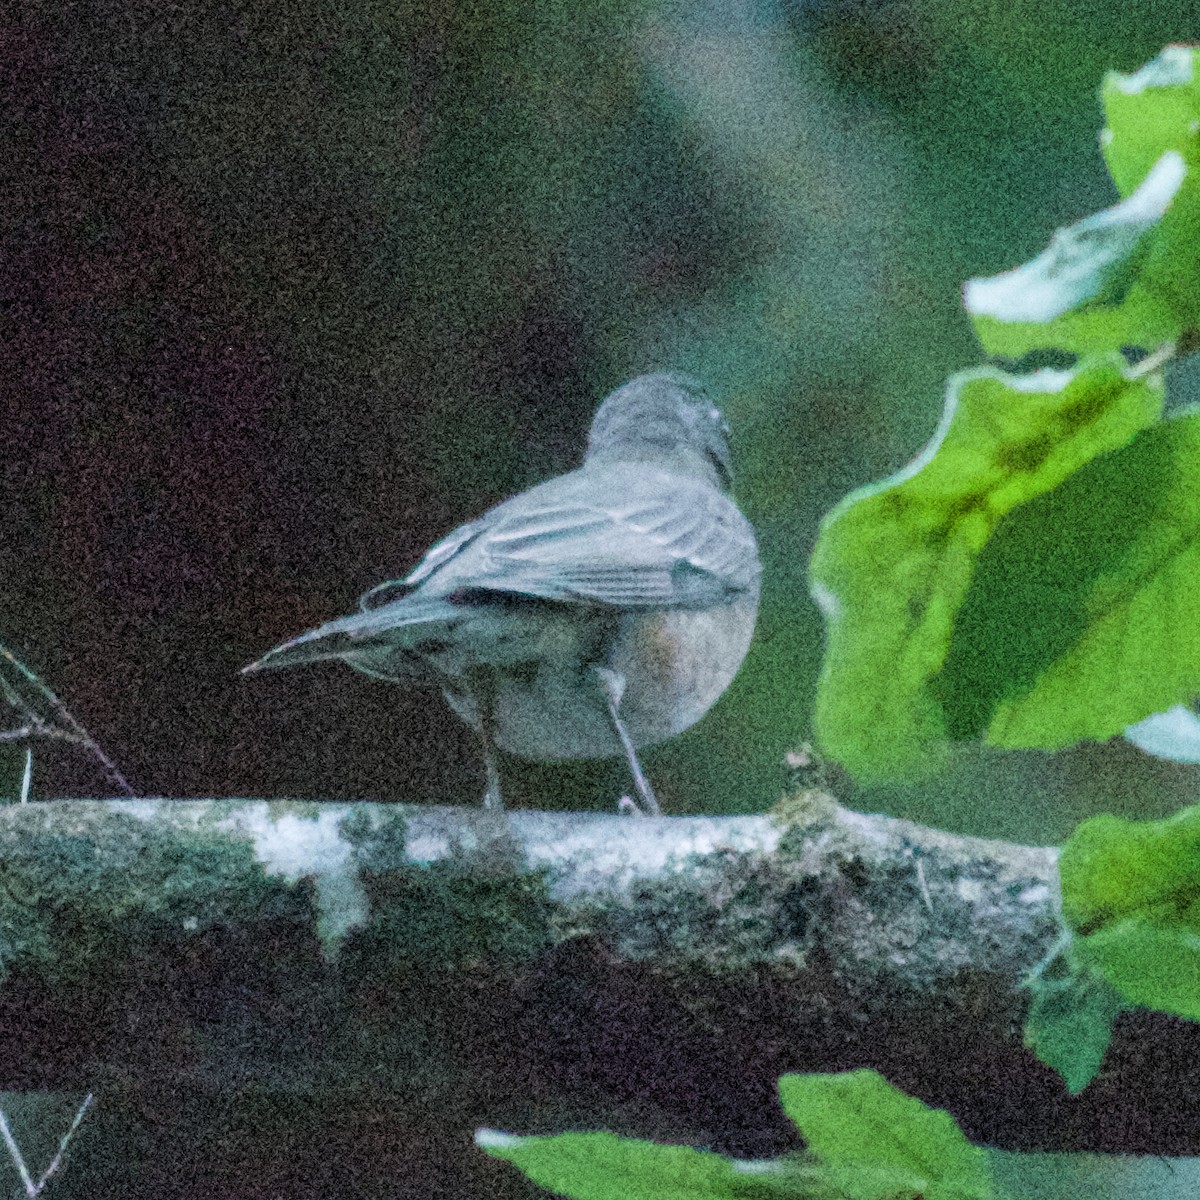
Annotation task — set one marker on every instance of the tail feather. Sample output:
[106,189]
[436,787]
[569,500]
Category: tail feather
[404,623]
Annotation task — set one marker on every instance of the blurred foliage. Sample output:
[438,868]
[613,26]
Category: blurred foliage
[866,1140]
[914,657]
[295,288]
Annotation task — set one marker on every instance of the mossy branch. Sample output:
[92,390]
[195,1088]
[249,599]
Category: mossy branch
[579,967]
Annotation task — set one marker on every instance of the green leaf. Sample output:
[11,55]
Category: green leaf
[1070,1019]
[1150,112]
[1111,869]
[1132,890]
[802,1177]
[858,1121]
[602,1166]
[1149,963]
[1083,614]
[867,1141]
[1130,275]
[855,1181]
[1092,288]
[894,560]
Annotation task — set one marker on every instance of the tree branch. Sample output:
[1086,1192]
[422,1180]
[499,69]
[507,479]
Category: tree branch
[544,970]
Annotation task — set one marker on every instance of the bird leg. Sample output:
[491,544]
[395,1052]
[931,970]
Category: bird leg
[491,762]
[613,687]
[481,694]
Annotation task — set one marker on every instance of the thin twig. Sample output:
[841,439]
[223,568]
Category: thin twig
[1153,361]
[39,728]
[14,1152]
[81,735]
[31,1188]
[56,1161]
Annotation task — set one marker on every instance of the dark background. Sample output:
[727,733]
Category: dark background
[290,290]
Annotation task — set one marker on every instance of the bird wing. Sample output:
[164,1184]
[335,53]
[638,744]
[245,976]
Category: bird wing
[624,536]
[439,553]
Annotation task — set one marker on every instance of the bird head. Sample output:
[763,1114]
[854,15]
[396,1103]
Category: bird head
[665,419]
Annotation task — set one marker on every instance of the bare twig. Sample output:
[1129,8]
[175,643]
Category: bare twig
[14,1151]
[1153,361]
[56,1161]
[38,728]
[67,727]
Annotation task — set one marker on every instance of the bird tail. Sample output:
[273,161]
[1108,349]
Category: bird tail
[388,630]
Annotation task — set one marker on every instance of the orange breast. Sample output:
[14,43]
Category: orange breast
[677,664]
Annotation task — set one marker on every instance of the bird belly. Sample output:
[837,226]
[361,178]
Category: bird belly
[675,665]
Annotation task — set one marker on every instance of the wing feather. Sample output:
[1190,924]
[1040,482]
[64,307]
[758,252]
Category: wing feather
[635,538]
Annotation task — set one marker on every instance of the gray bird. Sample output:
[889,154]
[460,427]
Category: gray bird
[600,611]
